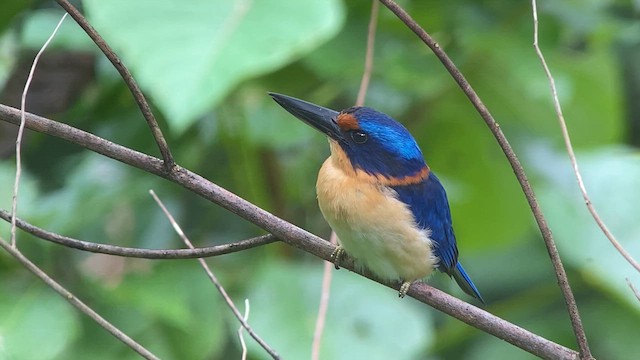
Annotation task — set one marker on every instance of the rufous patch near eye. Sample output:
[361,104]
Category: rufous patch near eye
[347,122]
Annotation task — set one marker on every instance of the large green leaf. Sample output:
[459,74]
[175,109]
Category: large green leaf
[487,204]
[612,177]
[35,323]
[188,55]
[39,25]
[365,320]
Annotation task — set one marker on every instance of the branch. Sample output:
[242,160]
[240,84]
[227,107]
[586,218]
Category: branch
[567,141]
[23,105]
[12,248]
[368,58]
[633,289]
[73,300]
[216,283]
[128,79]
[245,318]
[560,272]
[181,176]
[489,323]
[289,233]
[138,252]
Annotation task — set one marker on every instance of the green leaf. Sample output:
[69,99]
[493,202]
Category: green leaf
[188,56]
[487,204]
[40,24]
[364,320]
[612,178]
[267,125]
[35,324]
[9,9]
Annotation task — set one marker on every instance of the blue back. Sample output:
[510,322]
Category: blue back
[391,151]
[430,207]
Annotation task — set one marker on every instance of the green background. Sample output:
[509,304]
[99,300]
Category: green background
[206,66]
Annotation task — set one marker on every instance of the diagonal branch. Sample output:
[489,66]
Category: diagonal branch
[181,176]
[289,233]
[560,272]
[73,300]
[633,289]
[128,79]
[245,318]
[216,283]
[138,252]
[12,248]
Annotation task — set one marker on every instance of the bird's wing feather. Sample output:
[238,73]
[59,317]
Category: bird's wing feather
[430,207]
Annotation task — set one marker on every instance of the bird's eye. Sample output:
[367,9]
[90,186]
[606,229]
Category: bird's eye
[359,137]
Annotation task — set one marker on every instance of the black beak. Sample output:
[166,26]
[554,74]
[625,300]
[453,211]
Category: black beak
[317,116]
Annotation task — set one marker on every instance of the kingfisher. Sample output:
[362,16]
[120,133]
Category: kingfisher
[388,209]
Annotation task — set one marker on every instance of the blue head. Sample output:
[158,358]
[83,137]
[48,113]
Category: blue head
[372,141]
[377,144]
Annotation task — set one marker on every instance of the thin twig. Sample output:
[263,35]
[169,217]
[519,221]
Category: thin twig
[633,289]
[23,105]
[567,142]
[288,232]
[325,295]
[128,79]
[560,272]
[214,280]
[368,59]
[73,300]
[203,252]
[12,249]
[328,267]
[246,318]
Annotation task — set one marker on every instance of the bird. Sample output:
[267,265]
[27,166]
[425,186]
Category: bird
[389,211]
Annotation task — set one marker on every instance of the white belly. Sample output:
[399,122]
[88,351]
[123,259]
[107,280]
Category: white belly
[373,226]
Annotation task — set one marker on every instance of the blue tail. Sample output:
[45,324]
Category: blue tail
[465,283]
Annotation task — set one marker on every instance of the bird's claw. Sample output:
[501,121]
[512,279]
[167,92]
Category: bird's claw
[404,288]
[336,256]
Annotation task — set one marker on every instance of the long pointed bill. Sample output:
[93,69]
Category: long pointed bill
[317,116]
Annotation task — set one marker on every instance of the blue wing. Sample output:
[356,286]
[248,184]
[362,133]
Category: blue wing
[430,207]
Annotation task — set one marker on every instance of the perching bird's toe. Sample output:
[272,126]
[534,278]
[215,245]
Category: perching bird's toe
[336,256]
[404,288]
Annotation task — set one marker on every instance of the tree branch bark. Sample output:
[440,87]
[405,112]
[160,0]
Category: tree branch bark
[77,303]
[518,170]
[139,97]
[107,249]
[290,233]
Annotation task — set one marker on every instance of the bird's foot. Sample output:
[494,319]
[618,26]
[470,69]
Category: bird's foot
[336,256]
[404,288]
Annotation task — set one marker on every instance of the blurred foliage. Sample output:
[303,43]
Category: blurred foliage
[355,325]
[207,67]
[206,48]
